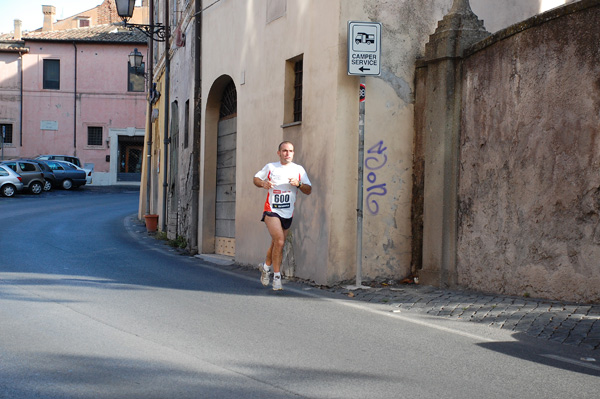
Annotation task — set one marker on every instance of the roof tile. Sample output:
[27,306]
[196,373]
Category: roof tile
[109,33]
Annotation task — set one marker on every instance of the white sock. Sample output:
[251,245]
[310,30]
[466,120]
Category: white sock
[276,275]
[266,267]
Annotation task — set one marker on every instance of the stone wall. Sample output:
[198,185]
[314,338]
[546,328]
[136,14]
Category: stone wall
[529,187]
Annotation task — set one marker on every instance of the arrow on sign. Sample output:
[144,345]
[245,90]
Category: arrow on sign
[362,69]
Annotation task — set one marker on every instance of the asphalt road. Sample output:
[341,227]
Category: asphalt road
[90,308]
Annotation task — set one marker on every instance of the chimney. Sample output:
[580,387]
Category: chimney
[49,12]
[17,35]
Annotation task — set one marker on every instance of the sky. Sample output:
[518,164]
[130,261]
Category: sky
[30,11]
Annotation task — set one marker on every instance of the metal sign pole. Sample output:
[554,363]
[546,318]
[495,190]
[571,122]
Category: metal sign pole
[364,59]
[361,160]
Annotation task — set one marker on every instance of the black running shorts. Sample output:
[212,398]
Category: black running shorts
[285,223]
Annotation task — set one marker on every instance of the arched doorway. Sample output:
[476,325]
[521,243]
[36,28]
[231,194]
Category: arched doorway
[226,173]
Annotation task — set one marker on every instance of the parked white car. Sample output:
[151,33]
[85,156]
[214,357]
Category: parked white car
[88,172]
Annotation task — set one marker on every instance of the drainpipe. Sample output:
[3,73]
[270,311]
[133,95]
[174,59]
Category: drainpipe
[21,110]
[75,104]
[196,132]
[149,116]
[166,116]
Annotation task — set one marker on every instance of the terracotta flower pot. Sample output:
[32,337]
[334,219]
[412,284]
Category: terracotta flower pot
[151,223]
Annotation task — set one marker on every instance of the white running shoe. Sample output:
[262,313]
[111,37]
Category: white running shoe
[277,283]
[265,277]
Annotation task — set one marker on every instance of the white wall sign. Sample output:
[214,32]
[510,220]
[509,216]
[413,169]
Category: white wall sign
[49,125]
[364,48]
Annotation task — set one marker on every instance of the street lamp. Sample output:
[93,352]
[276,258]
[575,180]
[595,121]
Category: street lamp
[135,59]
[125,10]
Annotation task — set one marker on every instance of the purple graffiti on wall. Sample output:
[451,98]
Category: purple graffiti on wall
[373,163]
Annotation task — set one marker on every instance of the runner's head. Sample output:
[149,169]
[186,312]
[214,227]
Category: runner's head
[285,152]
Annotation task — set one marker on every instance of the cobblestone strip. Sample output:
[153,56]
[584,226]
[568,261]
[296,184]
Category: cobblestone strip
[592,339]
[482,310]
[512,315]
[525,317]
[580,330]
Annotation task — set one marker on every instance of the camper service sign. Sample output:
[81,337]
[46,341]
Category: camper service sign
[364,48]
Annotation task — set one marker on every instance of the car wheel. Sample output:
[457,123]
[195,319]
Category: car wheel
[36,187]
[67,184]
[47,186]
[8,190]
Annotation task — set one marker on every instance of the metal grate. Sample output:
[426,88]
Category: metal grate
[6,133]
[229,101]
[298,69]
[94,135]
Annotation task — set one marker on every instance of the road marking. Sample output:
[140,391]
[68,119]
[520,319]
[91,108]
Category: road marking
[572,361]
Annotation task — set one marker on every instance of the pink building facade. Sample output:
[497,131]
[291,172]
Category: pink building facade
[73,92]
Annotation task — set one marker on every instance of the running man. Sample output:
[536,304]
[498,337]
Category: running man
[283,180]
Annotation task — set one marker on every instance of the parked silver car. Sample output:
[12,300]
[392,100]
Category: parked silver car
[33,178]
[10,182]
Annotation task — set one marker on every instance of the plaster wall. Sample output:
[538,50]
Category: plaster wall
[407,26]
[529,187]
[101,99]
[239,43]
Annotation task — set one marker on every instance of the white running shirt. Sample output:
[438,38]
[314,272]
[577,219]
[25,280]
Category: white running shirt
[282,197]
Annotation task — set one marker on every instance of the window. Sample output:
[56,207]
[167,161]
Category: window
[84,22]
[186,125]
[293,91]
[12,165]
[135,79]
[51,75]
[27,167]
[68,166]
[54,165]
[298,91]
[94,135]
[6,130]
